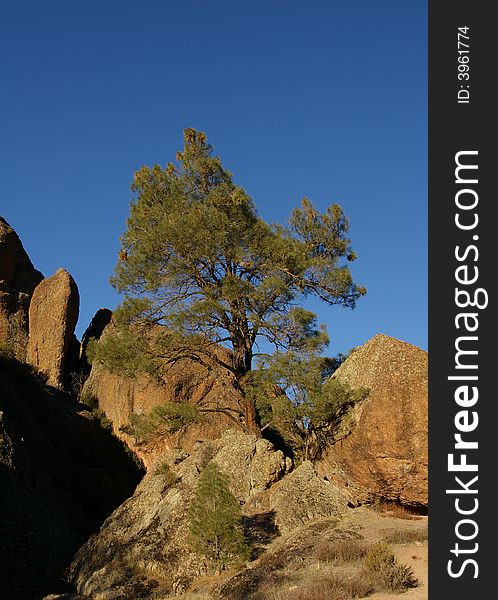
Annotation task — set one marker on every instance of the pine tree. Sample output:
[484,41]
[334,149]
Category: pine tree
[216,521]
[199,267]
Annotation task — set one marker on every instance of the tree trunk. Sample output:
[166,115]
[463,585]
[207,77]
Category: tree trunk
[242,360]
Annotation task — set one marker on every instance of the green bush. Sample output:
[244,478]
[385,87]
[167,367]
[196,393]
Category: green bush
[169,418]
[88,399]
[164,470]
[100,416]
[7,350]
[215,516]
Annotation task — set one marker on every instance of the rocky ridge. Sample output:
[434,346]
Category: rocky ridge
[146,538]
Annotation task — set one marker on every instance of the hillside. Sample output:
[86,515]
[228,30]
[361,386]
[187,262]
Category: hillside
[88,509]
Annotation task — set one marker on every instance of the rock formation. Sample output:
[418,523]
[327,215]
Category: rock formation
[53,314]
[18,279]
[302,496]
[146,539]
[94,331]
[186,381]
[61,475]
[383,451]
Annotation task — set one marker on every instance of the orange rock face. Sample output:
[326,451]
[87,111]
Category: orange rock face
[383,451]
[187,381]
[53,313]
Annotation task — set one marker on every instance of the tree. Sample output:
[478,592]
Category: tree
[197,261]
[309,404]
[216,520]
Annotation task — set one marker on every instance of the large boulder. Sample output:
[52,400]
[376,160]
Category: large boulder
[18,279]
[382,450]
[142,550]
[302,496]
[53,314]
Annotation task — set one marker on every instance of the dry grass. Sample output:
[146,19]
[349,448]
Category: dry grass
[405,536]
[348,550]
[327,586]
[396,510]
[386,571]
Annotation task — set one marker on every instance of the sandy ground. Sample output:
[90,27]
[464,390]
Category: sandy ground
[373,525]
[414,555]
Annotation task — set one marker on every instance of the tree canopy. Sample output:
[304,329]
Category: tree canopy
[199,267]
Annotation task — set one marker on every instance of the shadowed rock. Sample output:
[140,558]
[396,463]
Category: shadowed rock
[96,328]
[18,278]
[53,314]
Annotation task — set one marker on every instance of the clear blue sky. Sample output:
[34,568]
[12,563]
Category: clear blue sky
[324,99]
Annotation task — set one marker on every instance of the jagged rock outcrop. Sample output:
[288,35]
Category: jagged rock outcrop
[302,496]
[213,390]
[53,314]
[383,451]
[142,549]
[100,321]
[252,464]
[18,278]
[16,269]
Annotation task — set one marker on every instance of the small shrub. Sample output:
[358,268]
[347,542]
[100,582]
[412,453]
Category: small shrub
[215,521]
[164,470]
[386,570]
[140,427]
[99,415]
[7,350]
[88,399]
[348,550]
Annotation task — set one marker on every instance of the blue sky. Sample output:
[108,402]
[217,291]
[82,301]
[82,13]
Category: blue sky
[323,99]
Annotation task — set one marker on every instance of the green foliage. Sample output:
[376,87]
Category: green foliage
[295,395]
[89,400]
[216,521]
[198,260]
[100,416]
[91,349]
[169,418]
[7,350]
[386,570]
